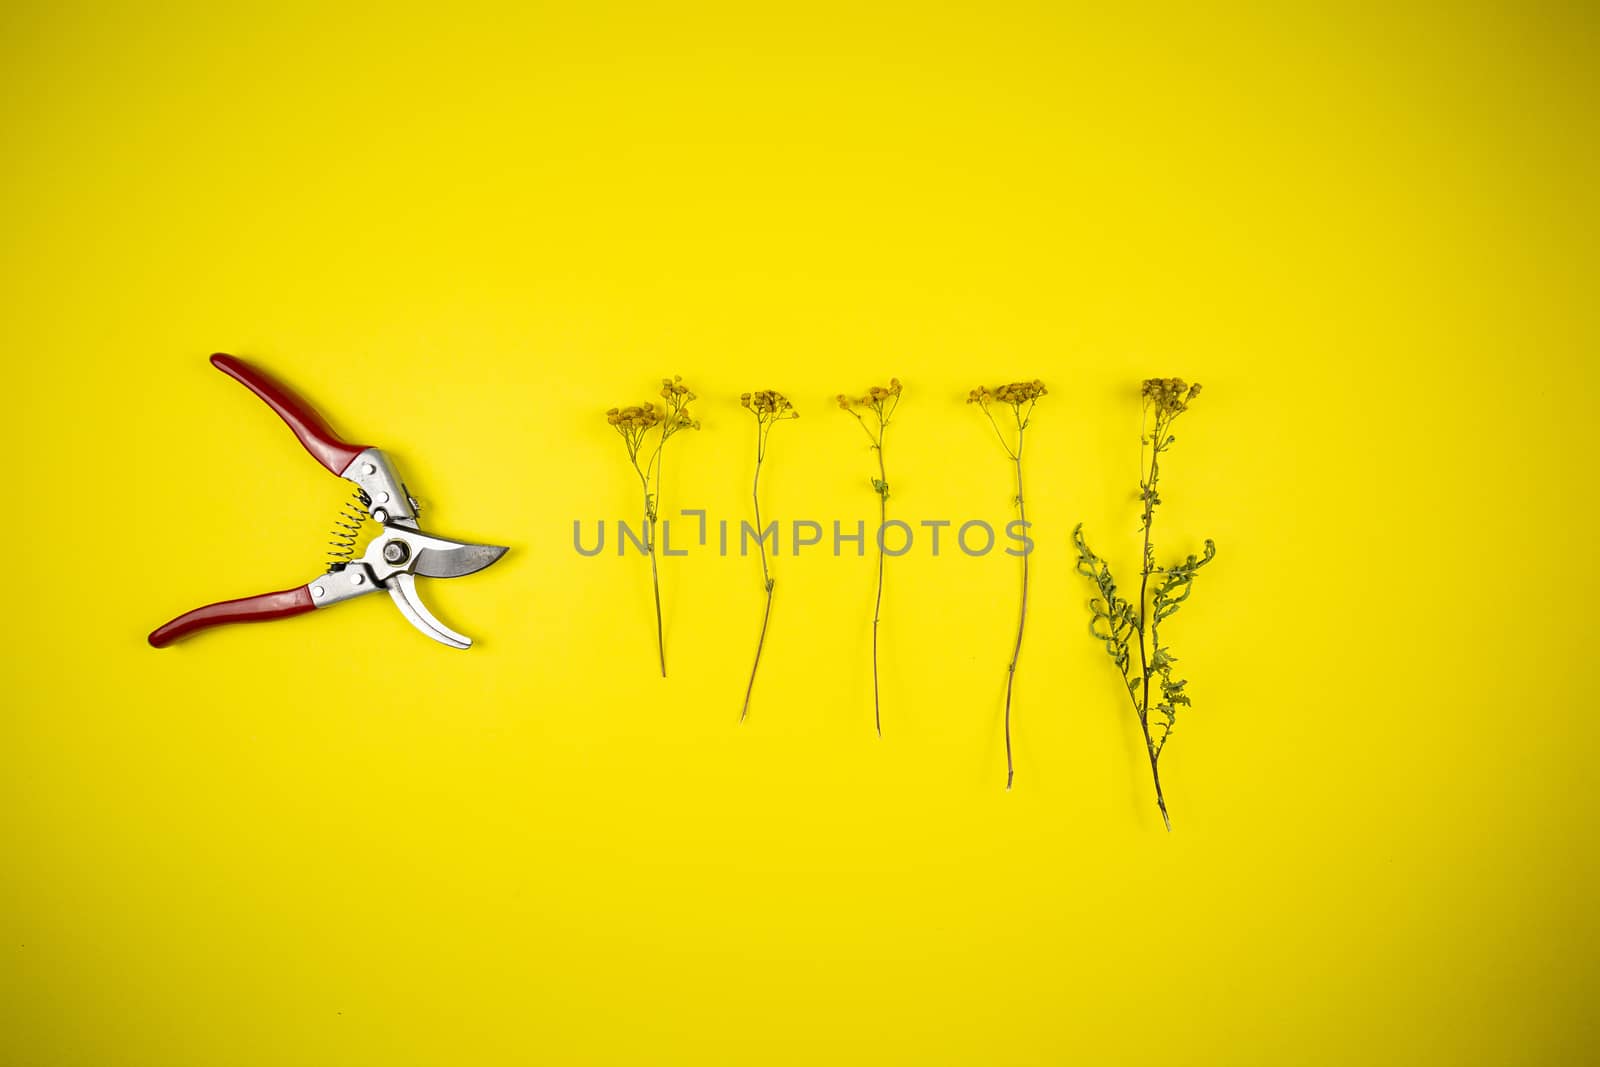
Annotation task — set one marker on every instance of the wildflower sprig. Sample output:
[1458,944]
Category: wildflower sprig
[1014,402]
[874,412]
[1119,623]
[645,430]
[769,408]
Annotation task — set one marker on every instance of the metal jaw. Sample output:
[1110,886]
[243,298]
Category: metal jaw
[403,590]
[392,561]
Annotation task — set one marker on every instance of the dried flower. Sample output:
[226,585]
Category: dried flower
[769,405]
[1169,396]
[873,412]
[634,425]
[770,408]
[1020,397]
[1117,622]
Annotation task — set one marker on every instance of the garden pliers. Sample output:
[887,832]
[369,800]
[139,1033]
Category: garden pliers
[392,559]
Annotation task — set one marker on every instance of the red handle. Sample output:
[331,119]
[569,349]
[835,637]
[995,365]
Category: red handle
[323,444]
[263,608]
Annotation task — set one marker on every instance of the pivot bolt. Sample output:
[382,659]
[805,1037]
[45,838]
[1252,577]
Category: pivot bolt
[396,552]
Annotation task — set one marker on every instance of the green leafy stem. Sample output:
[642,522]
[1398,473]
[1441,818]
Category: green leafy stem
[1122,625]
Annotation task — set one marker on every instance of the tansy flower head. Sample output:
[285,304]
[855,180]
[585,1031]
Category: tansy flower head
[880,393]
[635,417]
[674,388]
[1014,393]
[677,395]
[880,399]
[1020,392]
[769,404]
[1169,396]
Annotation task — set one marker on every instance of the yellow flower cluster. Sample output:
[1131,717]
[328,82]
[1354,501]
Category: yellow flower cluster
[636,420]
[1169,396]
[1013,393]
[636,417]
[875,396]
[677,396]
[769,404]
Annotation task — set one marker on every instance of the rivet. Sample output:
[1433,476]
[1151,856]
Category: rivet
[316,590]
[368,468]
[357,578]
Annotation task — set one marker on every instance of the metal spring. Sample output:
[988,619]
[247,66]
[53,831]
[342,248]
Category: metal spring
[347,530]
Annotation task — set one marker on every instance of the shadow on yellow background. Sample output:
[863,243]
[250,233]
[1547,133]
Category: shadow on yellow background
[465,234]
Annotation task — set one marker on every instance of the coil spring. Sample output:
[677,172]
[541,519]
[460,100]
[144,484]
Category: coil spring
[347,530]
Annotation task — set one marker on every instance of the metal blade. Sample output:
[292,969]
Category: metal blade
[454,562]
[403,589]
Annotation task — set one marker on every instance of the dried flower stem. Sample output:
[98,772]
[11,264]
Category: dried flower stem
[767,582]
[650,542]
[769,408]
[1014,396]
[880,404]
[1147,567]
[633,424]
[1022,616]
[877,601]
[1167,398]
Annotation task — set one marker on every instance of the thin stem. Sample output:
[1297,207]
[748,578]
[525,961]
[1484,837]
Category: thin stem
[1003,442]
[1155,776]
[655,581]
[877,606]
[650,544]
[868,430]
[1022,619]
[760,644]
[1145,571]
[655,574]
[762,427]
[882,404]
[755,496]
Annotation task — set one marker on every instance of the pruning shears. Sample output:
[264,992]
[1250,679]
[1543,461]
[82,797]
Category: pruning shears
[392,560]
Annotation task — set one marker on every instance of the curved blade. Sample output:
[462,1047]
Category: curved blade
[433,562]
[403,589]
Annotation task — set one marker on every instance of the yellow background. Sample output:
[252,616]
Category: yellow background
[464,232]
